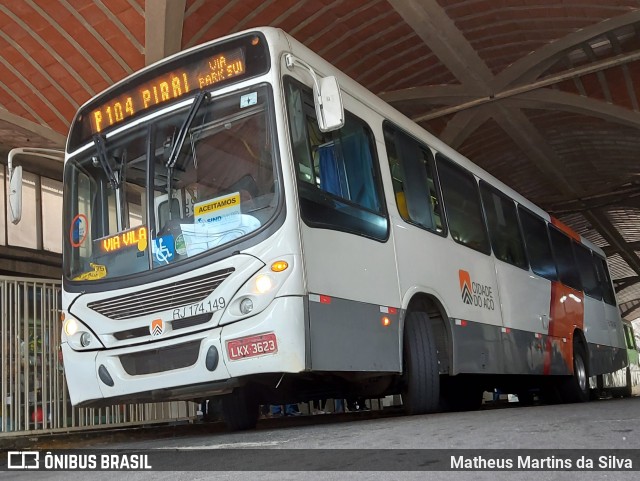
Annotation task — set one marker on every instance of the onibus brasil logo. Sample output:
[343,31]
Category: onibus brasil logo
[475,293]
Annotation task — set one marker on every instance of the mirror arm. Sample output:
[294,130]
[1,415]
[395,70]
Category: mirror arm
[291,61]
[53,154]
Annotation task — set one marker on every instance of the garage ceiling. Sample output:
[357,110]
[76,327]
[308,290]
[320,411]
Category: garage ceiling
[540,93]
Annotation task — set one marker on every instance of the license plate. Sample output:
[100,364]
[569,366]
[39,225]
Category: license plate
[252,346]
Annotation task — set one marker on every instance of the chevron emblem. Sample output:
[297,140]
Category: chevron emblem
[465,287]
[156,328]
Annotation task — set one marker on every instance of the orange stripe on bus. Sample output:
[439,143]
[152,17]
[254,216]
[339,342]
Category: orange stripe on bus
[565,228]
[566,313]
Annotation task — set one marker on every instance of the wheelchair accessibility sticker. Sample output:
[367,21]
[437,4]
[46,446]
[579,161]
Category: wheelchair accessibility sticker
[163,250]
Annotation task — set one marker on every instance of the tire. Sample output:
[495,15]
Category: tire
[239,411]
[576,388]
[421,379]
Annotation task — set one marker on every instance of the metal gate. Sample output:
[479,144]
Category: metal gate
[33,390]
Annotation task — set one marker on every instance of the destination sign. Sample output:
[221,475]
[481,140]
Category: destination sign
[208,66]
[168,86]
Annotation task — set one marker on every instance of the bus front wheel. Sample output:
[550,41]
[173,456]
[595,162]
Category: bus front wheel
[239,410]
[421,379]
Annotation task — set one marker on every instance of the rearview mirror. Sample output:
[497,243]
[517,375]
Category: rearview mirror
[328,102]
[15,194]
[15,175]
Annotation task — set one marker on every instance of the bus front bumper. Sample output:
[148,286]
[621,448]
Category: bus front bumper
[194,366]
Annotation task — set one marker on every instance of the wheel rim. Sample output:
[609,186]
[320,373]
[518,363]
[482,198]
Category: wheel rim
[580,372]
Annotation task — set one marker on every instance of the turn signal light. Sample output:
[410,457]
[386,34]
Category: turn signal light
[279,266]
[386,322]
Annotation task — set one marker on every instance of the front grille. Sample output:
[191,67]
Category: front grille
[162,359]
[170,296]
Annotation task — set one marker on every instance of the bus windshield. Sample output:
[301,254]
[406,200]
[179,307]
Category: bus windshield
[132,206]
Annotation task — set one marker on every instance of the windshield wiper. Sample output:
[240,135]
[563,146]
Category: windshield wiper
[99,142]
[184,128]
[179,142]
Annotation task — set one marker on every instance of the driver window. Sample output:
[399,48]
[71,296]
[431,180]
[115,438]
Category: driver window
[338,176]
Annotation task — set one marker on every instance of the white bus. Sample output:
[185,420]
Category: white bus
[243,220]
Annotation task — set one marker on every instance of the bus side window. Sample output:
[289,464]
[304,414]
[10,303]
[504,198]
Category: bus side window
[504,229]
[299,135]
[608,295]
[338,162]
[414,185]
[567,269]
[346,165]
[462,206]
[338,176]
[538,246]
[586,266]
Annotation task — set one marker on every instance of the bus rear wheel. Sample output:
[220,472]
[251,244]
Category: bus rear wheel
[421,379]
[239,410]
[576,388]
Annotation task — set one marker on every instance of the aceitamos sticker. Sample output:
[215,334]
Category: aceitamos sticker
[224,210]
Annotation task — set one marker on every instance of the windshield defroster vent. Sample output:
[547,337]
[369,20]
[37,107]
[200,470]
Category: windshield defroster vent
[170,296]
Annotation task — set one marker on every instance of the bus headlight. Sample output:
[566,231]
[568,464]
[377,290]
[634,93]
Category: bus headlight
[263,283]
[70,326]
[259,290]
[78,336]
